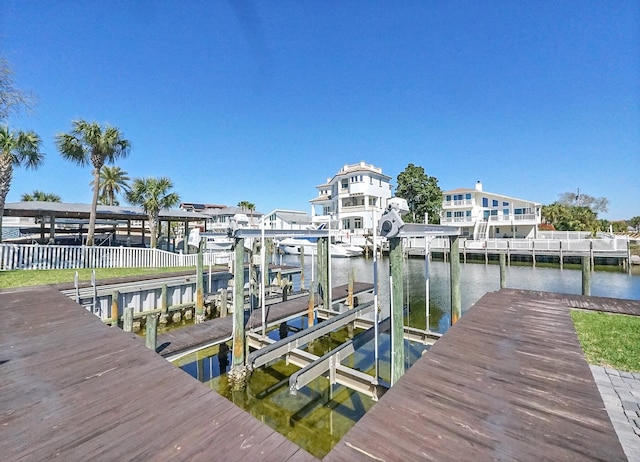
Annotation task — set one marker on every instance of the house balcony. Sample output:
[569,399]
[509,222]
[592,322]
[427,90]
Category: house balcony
[460,203]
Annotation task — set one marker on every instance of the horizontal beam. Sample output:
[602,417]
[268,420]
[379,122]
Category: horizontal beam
[263,356]
[417,230]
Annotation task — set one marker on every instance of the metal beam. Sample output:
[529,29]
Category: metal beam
[264,355]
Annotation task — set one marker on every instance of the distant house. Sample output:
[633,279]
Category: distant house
[355,197]
[485,215]
[287,219]
[221,215]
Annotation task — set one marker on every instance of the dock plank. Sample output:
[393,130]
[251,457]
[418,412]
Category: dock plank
[507,382]
[73,388]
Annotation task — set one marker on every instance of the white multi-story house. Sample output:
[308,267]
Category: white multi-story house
[485,215]
[354,198]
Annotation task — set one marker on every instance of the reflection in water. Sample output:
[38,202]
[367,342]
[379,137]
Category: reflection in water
[319,414]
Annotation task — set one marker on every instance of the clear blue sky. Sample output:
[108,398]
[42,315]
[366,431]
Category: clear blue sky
[262,101]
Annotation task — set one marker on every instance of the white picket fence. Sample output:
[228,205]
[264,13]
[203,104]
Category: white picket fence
[34,256]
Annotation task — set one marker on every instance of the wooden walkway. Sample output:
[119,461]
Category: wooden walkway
[74,389]
[218,330]
[507,382]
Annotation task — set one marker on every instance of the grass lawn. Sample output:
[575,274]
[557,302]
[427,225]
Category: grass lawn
[609,339]
[23,278]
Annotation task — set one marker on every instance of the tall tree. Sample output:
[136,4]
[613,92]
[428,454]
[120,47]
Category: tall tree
[18,149]
[41,196]
[153,195]
[113,181]
[422,193]
[89,143]
[12,99]
[580,199]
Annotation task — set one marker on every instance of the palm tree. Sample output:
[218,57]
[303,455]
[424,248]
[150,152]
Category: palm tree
[17,149]
[246,205]
[113,181]
[153,195]
[90,143]
[40,196]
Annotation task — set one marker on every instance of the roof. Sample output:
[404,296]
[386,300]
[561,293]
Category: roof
[230,211]
[104,212]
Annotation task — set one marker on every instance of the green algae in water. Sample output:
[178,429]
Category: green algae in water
[319,414]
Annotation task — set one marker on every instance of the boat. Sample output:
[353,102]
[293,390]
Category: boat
[292,246]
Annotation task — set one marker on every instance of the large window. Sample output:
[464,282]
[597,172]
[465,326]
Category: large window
[485,202]
[494,203]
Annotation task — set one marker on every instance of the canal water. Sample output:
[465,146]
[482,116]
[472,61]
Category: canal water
[319,414]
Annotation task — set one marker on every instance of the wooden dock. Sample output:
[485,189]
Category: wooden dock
[507,382]
[74,389]
[218,330]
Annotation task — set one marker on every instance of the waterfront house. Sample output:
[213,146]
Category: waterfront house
[485,215]
[287,219]
[353,199]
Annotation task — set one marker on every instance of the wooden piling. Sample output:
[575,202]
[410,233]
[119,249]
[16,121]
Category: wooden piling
[151,335]
[311,306]
[199,285]
[127,322]
[586,275]
[323,270]
[397,309]
[224,311]
[115,311]
[503,271]
[237,374]
[302,271]
[454,270]
[164,301]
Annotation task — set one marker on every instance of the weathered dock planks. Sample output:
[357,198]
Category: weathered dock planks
[74,389]
[507,382]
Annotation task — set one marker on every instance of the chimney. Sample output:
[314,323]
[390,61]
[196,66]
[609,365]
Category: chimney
[478,186]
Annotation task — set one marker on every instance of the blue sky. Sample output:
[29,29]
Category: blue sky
[263,101]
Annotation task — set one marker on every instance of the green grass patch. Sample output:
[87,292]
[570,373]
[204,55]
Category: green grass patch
[609,339]
[25,278]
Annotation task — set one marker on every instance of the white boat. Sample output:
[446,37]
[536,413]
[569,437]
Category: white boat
[292,246]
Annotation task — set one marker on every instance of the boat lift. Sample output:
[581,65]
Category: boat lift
[394,229]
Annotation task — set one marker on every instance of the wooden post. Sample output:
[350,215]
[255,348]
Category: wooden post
[199,285]
[152,331]
[164,301]
[114,308]
[397,309]
[323,271]
[311,306]
[350,290]
[561,257]
[454,269]
[223,303]
[237,374]
[503,271]
[127,323]
[586,275]
[301,270]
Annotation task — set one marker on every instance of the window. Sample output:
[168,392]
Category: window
[459,214]
[448,214]
[505,212]
[457,197]
[505,204]
[357,223]
[494,213]
[494,203]
[448,198]
[345,184]
[468,213]
[485,202]
[467,196]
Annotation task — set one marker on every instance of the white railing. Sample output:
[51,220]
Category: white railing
[34,256]
[532,245]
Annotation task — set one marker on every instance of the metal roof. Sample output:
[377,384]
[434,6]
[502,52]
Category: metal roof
[105,212]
